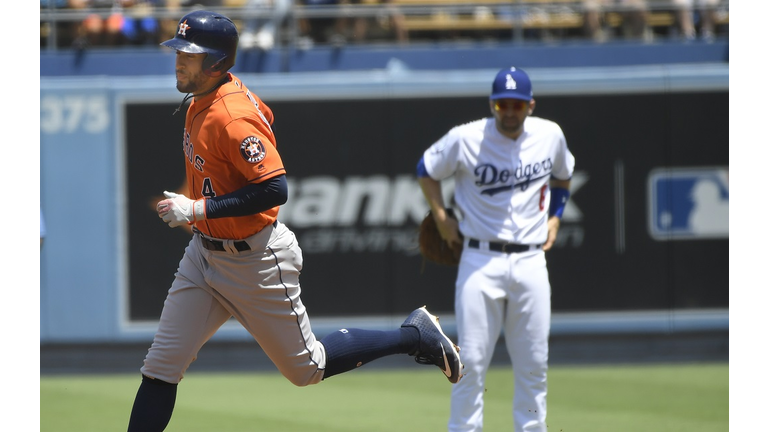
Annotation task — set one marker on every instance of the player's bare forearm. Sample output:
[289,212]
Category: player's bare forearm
[565,184]
[553,225]
[433,193]
[448,226]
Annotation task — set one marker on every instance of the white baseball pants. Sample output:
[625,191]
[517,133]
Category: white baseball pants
[496,291]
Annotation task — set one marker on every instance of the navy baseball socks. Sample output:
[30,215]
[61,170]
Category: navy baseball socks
[153,406]
[349,349]
[420,336]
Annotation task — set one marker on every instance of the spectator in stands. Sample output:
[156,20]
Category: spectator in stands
[360,27]
[65,32]
[338,30]
[322,30]
[263,33]
[113,29]
[126,22]
[707,10]
[683,17]
[685,10]
[169,26]
[594,20]
[139,26]
[91,30]
[632,13]
[635,20]
[387,25]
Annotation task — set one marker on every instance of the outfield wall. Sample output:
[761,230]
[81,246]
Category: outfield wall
[646,139]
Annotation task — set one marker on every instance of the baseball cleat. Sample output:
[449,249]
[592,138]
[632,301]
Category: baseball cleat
[434,346]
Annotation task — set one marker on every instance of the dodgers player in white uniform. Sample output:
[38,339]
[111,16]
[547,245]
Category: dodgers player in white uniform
[512,173]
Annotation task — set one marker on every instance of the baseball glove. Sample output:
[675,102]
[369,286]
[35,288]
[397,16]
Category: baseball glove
[431,244]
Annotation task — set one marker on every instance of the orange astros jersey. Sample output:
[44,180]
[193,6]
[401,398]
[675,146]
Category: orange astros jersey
[229,143]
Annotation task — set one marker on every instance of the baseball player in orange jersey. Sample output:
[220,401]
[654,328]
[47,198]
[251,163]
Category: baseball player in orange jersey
[241,261]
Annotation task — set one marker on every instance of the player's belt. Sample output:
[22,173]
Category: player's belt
[503,247]
[218,245]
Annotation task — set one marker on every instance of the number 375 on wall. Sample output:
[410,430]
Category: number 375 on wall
[62,113]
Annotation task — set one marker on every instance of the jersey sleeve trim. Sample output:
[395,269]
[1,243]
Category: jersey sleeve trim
[421,168]
[267,175]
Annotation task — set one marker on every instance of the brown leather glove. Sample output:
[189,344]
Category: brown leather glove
[433,247]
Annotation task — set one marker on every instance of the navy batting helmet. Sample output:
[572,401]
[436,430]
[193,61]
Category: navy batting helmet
[210,33]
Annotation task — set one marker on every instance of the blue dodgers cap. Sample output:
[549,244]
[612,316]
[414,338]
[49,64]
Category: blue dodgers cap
[512,83]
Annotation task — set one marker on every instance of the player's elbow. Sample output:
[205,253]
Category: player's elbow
[281,189]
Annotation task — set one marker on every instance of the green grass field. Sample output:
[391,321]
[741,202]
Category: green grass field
[650,398]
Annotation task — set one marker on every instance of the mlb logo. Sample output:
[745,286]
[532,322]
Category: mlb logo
[688,203]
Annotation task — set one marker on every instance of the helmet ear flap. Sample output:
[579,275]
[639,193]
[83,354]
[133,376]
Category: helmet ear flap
[216,70]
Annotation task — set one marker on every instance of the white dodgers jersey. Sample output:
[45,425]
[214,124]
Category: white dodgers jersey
[502,185]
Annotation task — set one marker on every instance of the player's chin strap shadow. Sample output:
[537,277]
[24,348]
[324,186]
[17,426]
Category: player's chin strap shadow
[221,82]
[186,98]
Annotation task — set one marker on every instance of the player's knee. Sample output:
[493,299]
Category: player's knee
[299,383]
[300,379]
[167,374]
[156,381]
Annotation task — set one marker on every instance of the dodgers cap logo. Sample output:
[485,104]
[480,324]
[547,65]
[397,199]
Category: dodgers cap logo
[512,83]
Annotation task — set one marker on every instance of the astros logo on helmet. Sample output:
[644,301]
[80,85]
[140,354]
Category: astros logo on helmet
[183,28]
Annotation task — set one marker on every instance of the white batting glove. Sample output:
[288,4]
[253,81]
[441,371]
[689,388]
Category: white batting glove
[179,210]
